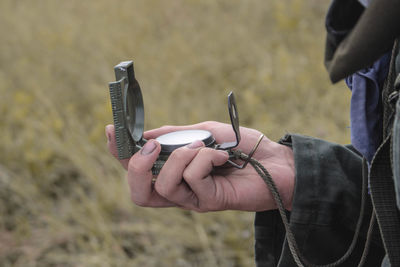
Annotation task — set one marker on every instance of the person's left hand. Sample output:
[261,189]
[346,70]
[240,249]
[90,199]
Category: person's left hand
[193,179]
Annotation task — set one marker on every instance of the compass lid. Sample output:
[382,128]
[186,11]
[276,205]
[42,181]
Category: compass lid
[128,110]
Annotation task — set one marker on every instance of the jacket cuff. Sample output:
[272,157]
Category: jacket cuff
[325,207]
[328,180]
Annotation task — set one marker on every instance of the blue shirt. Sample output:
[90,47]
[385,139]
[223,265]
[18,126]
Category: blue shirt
[366,106]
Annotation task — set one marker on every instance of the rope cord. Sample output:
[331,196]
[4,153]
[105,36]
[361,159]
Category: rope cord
[299,259]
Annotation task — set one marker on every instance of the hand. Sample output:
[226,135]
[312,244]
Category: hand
[190,180]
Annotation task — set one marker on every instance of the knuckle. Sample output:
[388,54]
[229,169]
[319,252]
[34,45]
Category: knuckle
[205,151]
[134,168]
[188,175]
[163,190]
[208,125]
[177,155]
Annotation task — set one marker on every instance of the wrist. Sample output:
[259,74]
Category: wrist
[288,190]
[278,159]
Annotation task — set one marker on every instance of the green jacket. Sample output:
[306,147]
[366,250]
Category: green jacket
[326,205]
[327,195]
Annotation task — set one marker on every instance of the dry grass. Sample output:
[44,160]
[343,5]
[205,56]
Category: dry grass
[63,199]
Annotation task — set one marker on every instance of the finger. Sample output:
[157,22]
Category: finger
[169,182]
[198,176]
[140,177]
[112,145]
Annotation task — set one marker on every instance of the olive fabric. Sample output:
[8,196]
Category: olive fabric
[327,197]
[341,18]
[326,205]
[329,176]
[372,35]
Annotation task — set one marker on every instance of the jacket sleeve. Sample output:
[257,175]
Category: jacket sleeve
[325,210]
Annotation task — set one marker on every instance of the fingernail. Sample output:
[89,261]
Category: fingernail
[195,144]
[148,148]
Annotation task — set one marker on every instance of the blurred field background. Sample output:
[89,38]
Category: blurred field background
[64,200]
